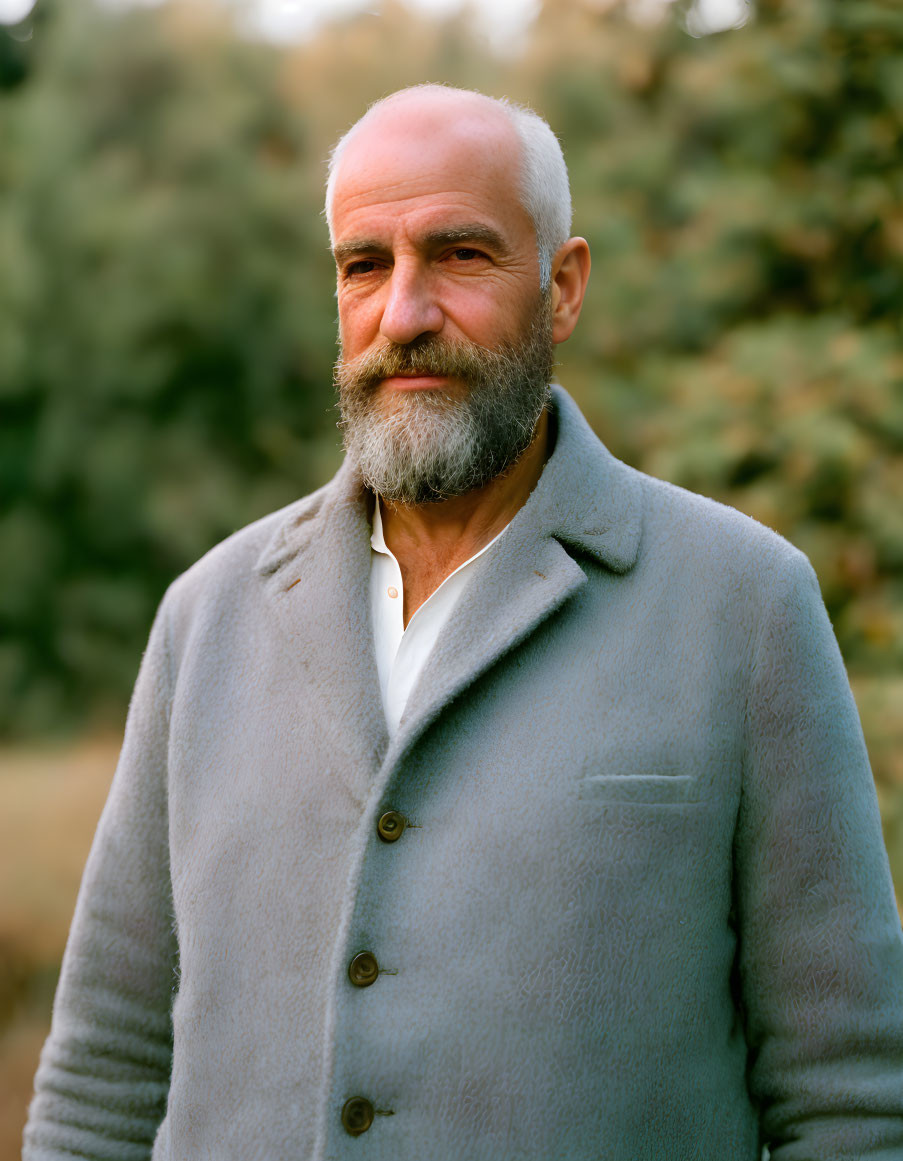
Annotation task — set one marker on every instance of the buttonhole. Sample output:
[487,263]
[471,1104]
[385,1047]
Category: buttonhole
[388,971]
[384,1112]
[542,575]
[292,585]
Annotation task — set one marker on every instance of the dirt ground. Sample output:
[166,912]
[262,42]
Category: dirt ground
[50,800]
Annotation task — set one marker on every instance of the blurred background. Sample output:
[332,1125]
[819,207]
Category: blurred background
[167,328]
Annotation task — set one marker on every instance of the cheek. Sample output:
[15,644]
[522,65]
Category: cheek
[481,313]
[358,325]
[491,322]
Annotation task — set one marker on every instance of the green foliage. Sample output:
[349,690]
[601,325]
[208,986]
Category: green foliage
[167,321]
[164,339]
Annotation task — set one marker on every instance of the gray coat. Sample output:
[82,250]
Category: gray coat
[641,910]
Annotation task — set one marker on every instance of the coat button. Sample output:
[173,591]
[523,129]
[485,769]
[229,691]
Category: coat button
[363,969]
[390,826]
[357,1116]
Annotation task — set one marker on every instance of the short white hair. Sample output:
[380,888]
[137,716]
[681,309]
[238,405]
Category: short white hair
[544,189]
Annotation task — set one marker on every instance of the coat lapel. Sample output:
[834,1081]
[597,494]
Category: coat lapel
[315,573]
[524,581]
[586,502]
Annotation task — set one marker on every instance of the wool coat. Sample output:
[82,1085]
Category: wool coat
[641,908]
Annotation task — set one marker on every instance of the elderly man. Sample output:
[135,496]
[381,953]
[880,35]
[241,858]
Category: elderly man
[496,801]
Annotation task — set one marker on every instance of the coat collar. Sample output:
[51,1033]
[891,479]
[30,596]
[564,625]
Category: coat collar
[585,498]
[586,503]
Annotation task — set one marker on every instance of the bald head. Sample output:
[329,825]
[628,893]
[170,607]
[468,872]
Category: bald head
[438,106]
[513,139]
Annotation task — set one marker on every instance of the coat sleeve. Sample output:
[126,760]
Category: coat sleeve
[102,1083]
[821,954]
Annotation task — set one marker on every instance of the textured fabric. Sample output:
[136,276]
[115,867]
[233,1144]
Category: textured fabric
[401,652]
[643,910]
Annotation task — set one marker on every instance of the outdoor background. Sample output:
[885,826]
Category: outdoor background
[167,334]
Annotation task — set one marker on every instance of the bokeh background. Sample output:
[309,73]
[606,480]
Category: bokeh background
[167,330]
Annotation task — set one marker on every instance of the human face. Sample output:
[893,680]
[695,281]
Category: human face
[446,340]
[430,237]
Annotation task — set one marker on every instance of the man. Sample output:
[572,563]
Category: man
[496,801]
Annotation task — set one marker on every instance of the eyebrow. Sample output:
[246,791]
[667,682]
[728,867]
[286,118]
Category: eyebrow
[432,239]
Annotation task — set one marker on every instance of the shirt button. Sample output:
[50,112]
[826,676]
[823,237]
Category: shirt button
[363,969]
[357,1116]
[390,826]
[392,591]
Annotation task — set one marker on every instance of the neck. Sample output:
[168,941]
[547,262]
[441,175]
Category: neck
[430,541]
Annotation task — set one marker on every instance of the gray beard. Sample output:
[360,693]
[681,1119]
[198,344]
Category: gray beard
[421,447]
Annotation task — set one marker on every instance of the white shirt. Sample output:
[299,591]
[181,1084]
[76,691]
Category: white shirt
[401,653]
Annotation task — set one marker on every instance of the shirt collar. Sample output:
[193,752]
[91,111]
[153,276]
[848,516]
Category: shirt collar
[377,540]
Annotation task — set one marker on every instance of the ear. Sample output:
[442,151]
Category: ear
[570,274]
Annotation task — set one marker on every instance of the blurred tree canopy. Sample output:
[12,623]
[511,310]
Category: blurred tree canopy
[167,321]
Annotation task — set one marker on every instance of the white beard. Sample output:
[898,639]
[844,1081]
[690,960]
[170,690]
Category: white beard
[419,447]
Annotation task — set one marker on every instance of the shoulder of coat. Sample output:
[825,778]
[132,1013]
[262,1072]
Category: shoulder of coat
[250,550]
[691,527]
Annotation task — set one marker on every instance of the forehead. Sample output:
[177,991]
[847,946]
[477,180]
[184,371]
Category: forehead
[430,163]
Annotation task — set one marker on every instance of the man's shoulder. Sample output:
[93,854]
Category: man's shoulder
[700,523]
[706,541]
[236,561]
[652,521]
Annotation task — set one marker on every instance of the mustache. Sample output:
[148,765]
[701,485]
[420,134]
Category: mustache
[430,355]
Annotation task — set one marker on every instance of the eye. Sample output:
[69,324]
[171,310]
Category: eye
[361,266]
[461,256]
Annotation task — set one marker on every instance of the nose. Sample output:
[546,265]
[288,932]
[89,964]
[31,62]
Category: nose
[411,308]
